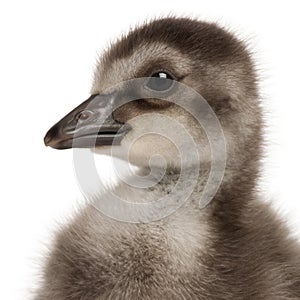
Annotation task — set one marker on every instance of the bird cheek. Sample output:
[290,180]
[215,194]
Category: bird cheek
[126,112]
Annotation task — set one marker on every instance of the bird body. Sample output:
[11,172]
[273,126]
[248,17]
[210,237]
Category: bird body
[236,247]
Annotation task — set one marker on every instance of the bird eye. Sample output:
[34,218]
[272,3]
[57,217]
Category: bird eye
[160,81]
[83,115]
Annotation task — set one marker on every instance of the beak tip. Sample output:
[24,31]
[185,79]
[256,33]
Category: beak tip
[47,139]
[51,135]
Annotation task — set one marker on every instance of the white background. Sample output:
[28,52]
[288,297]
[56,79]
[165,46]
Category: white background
[48,51]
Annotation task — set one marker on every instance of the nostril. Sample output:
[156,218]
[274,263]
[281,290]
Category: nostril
[83,115]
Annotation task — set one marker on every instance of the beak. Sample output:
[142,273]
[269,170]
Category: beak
[88,125]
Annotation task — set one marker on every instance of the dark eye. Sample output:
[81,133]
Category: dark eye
[83,115]
[160,81]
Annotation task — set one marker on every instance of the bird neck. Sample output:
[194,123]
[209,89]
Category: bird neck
[153,184]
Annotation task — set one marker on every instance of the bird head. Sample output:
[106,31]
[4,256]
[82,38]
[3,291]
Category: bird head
[137,100]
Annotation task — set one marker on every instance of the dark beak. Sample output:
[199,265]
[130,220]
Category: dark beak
[88,125]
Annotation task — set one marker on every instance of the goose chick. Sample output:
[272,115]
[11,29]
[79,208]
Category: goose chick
[233,248]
